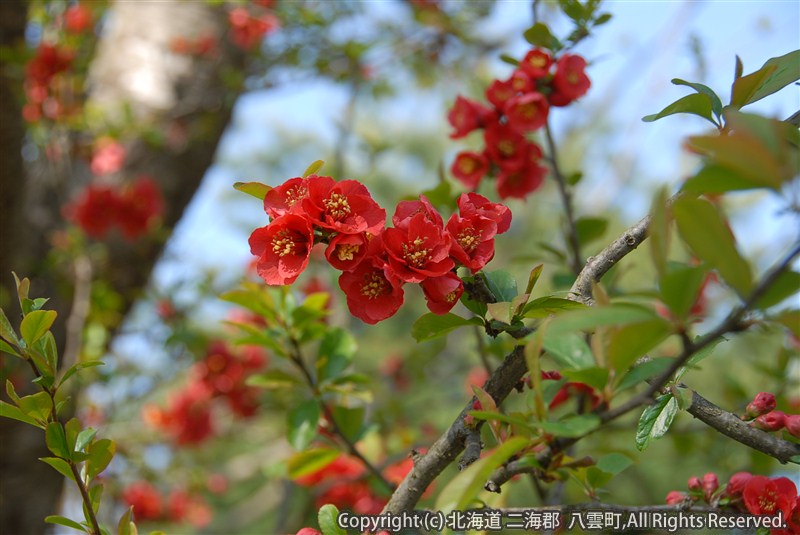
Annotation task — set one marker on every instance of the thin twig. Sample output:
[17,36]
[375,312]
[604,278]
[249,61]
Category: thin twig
[576,260]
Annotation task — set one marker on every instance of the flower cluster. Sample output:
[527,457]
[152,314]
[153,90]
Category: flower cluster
[761,411]
[745,492]
[78,18]
[376,261]
[179,506]
[133,210]
[220,375]
[519,105]
[41,89]
[248,30]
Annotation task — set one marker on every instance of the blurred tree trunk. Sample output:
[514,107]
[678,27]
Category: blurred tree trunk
[134,67]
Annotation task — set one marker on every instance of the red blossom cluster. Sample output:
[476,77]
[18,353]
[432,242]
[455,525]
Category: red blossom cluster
[41,87]
[344,484]
[376,261]
[179,506]
[133,209]
[248,30]
[204,46]
[745,492]
[220,375]
[78,18]
[761,411]
[519,105]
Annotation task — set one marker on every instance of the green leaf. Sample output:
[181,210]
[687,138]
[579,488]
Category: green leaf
[644,371]
[786,285]
[680,288]
[100,454]
[573,426]
[72,429]
[256,189]
[327,517]
[313,168]
[594,377]
[568,350]
[629,342]
[716,103]
[38,406]
[718,179]
[95,493]
[696,104]
[705,232]
[494,416]
[590,229]
[60,465]
[659,230]
[773,76]
[126,525]
[46,345]
[77,367]
[502,285]
[273,380]
[499,311]
[589,318]
[350,421]
[545,306]
[6,330]
[36,324]
[302,423]
[57,440]
[335,353]
[508,59]
[64,521]
[430,326]
[5,347]
[307,462]
[10,411]
[655,420]
[539,35]
[464,487]
[614,463]
[533,278]
[84,437]
[789,319]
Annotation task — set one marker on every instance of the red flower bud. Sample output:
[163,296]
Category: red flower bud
[695,483]
[772,421]
[761,404]
[710,485]
[674,497]
[792,423]
[736,483]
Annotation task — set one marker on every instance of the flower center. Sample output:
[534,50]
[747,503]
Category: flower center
[468,239]
[450,297]
[337,206]
[283,244]
[537,61]
[467,165]
[346,251]
[768,503]
[506,147]
[295,194]
[374,285]
[572,78]
[414,254]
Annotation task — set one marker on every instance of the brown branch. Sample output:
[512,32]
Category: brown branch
[87,501]
[576,260]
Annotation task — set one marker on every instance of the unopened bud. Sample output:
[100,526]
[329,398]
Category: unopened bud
[695,483]
[792,423]
[710,485]
[772,421]
[763,403]
[736,484]
[674,497]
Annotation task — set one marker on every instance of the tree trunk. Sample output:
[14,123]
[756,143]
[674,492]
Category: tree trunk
[133,66]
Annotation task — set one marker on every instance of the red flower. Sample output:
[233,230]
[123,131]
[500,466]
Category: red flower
[418,251]
[343,467]
[283,248]
[373,292]
[470,204]
[188,416]
[570,81]
[582,391]
[772,421]
[145,500]
[95,211]
[765,496]
[536,63]
[710,484]
[675,498]
[344,206]
[792,424]
[48,61]
[521,82]
[521,182]
[736,484]
[77,18]
[473,240]
[345,251]
[182,507]
[442,293]
[762,403]
[308,531]
[506,146]
[287,198]
[140,204]
[467,115]
[109,156]
[407,209]
[469,168]
[500,92]
[355,496]
[527,112]
[246,30]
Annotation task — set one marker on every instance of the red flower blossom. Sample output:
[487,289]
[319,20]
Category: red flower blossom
[188,416]
[407,209]
[95,211]
[469,168]
[354,496]
[287,198]
[765,496]
[521,82]
[442,293]
[470,204]
[373,292]
[145,500]
[473,240]
[527,112]
[77,18]
[140,204]
[48,61]
[246,30]
[109,156]
[570,81]
[467,115]
[181,507]
[675,498]
[418,251]
[536,63]
[521,182]
[736,484]
[505,146]
[342,467]
[346,251]
[582,391]
[344,206]
[283,248]
[308,531]
[500,92]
